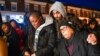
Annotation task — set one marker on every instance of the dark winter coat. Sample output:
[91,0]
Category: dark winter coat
[12,43]
[80,46]
[46,40]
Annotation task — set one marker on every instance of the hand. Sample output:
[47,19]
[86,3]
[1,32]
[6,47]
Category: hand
[33,54]
[92,39]
[26,53]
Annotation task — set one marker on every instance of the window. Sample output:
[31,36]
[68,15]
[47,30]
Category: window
[36,7]
[43,9]
[26,7]
[2,5]
[13,6]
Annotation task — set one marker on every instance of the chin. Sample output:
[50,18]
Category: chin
[67,38]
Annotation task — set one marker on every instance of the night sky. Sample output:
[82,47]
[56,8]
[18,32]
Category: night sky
[92,4]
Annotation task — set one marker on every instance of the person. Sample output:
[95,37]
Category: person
[98,24]
[92,26]
[76,43]
[11,38]
[19,32]
[84,24]
[40,36]
[58,13]
[3,47]
[98,20]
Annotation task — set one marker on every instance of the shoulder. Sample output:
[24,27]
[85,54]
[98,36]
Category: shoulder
[49,27]
[82,33]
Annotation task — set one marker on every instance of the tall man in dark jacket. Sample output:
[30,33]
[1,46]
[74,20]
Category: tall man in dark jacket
[57,13]
[41,39]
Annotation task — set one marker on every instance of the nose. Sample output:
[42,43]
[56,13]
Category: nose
[57,15]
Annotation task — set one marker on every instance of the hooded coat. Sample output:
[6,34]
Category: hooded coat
[58,6]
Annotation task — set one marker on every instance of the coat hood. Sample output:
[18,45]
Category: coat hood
[58,6]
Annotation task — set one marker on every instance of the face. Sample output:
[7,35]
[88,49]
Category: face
[35,21]
[98,20]
[13,24]
[92,26]
[57,15]
[67,32]
[5,28]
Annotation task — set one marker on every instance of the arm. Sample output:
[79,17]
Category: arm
[26,51]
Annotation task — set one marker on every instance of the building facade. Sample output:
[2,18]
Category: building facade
[30,5]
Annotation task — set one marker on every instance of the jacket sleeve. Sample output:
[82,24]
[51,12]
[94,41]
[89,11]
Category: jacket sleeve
[25,41]
[51,42]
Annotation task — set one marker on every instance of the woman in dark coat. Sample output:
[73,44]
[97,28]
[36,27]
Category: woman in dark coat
[11,39]
[19,32]
[41,37]
[76,43]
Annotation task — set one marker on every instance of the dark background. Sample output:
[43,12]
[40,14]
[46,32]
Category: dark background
[92,4]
